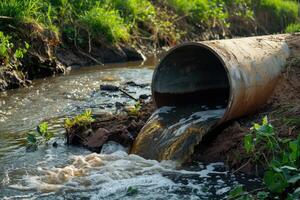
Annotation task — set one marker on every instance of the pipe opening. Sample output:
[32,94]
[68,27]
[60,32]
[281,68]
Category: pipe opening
[191,74]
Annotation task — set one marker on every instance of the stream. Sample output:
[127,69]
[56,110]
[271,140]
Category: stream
[66,172]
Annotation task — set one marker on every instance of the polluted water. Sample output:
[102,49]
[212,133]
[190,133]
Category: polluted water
[171,133]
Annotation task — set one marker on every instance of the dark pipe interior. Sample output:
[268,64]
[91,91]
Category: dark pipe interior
[191,74]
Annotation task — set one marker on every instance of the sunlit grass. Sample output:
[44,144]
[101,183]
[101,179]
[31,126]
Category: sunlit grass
[105,22]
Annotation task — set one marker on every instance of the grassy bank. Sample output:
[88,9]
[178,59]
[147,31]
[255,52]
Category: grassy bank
[52,34]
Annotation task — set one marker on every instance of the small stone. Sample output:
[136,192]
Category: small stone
[97,139]
[144,96]
[55,145]
[111,88]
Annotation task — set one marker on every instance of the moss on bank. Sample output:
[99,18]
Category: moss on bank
[82,32]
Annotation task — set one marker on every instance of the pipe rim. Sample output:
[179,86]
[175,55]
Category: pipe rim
[212,50]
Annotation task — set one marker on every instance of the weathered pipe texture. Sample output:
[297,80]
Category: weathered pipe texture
[239,74]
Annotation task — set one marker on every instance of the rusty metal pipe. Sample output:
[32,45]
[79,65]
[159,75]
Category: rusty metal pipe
[239,74]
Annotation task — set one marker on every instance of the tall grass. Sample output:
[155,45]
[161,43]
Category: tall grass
[105,22]
[278,13]
[292,28]
[133,9]
[19,9]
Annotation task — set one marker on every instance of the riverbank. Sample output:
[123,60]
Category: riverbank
[42,38]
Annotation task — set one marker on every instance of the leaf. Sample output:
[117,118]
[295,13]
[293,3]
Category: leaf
[295,150]
[265,120]
[275,181]
[42,128]
[294,179]
[131,191]
[31,138]
[236,192]
[256,127]
[296,193]
[48,136]
[262,195]
[248,143]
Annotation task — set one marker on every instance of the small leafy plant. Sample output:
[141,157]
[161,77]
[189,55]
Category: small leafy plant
[131,191]
[83,120]
[40,136]
[282,175]
[134,110]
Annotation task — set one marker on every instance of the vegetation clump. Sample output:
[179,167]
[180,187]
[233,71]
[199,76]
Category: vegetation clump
[106,22]
[293,28]
[40,136]
[282,176]
[82,120]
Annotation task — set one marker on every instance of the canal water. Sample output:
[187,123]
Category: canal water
[67,172]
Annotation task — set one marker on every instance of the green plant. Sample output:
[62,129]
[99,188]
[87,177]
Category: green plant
[20,9]
[5,47]
[9,56]
[106,22]
[134,110]
[292,28]
[201,11]
[261,141]
[278,13]
[131,191]
[140,10]
[83,120]
[40,136]
[282,177]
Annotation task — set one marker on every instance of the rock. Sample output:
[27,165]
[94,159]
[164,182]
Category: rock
[144,96]
[97,139]
[133,54]
[111,88]
[119,105]
[134,84]
[55,145]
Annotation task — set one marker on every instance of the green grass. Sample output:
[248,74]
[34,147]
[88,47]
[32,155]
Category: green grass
[200,11]
[292,28]
[133,9]
[105,22]
[281,156]
[280,13]
[19,9]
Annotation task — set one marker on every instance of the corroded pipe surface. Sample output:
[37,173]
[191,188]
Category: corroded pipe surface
[239,74]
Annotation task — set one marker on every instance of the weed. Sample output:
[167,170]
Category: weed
[282,177]
[134,110]
[41,136]
[83,120]
[292,28]
[106,22]
[278,13]
[131,191]
[9,56]
[19,9]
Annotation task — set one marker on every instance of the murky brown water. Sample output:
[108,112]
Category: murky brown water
[74,173]
[172,132]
